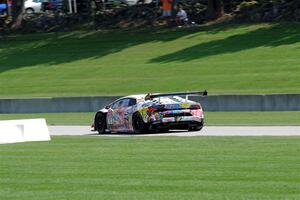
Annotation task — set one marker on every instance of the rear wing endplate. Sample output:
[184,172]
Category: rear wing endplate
[152,96]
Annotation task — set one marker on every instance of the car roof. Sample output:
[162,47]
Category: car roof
[136,96]
[139,96]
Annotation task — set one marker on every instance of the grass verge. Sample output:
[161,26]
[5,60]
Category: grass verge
[211,118]
[151,168]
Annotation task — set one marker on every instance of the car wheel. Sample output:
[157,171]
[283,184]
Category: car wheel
[138,124]
[29,11]
[100,123]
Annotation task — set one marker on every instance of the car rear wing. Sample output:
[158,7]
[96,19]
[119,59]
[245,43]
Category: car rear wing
[186,94]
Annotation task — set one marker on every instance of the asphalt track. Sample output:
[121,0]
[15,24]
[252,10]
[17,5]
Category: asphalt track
[206,131]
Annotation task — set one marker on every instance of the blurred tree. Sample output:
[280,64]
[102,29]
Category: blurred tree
[215,8]
[17,9]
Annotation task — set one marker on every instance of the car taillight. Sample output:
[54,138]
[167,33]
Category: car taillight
[195,106]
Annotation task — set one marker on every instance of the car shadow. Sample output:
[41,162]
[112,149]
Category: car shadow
[124,134]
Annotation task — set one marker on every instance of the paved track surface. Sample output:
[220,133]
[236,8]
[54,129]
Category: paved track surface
[206,131]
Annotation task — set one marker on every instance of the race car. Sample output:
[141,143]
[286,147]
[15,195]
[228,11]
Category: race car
[146,113]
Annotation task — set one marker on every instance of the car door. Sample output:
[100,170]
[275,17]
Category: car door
[127,109]
[119,115]
[112,115]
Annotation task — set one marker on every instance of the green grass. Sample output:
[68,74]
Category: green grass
[253,118]
[152,168]
[211,118]
[232,58]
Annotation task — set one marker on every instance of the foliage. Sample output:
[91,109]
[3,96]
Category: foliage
[268,10]
[142,15]
[247,5]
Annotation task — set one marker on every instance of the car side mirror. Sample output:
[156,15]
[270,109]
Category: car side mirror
[107,107]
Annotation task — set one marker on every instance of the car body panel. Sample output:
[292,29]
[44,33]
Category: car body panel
[35,5]
[120,118]
[3,8]
[156,112]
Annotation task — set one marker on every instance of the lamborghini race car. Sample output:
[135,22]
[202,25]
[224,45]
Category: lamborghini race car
[152,112]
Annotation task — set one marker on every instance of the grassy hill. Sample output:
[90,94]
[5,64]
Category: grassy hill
[251,58]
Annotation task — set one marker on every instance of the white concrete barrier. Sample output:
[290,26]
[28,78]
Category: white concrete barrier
[12,131]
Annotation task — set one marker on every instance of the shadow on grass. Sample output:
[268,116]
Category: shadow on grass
[270,36]
[55,49]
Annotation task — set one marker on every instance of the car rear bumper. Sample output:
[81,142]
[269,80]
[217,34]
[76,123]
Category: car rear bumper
[173,124]
[177,119]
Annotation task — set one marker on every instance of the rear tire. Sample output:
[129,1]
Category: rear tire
[138,124]
[100,123]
